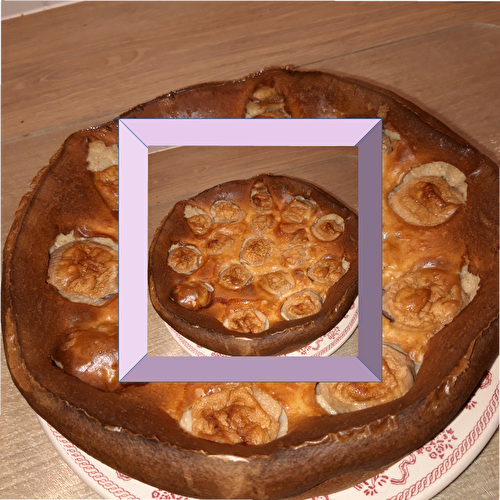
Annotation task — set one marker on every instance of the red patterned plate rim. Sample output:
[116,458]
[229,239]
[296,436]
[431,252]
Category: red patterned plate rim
[324,346]
[419,476]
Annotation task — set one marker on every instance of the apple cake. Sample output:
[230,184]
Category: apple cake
[256,267]
[258,440]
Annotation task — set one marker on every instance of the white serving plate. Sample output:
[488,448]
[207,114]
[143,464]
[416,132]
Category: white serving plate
[420,475]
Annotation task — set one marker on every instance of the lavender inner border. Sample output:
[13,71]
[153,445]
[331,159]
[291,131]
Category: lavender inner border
[135,135]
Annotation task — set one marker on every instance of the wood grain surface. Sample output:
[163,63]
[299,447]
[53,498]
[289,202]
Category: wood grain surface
[80,65]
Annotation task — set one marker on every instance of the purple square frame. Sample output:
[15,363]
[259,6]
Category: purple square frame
[135,135]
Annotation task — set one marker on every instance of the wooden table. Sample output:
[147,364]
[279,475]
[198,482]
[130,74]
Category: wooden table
[80,65]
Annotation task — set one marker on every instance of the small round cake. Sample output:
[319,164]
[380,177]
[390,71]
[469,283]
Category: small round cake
[255,267]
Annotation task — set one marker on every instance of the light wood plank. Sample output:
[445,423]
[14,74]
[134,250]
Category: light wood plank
[104,58]
[431,72]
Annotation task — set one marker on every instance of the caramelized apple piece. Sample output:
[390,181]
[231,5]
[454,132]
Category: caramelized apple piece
[92,356]
[235,277]
[219,243]
[184,259]
[235,415]
[430,194]
[262,223]
[428,298]
[106,182]
[193,295]
[266,103]
[298,210]
[247,320]
[301,304]
[198,221]
[277,282]
[327,271]
[84,271]
[256,251]
[397,379]
[329,227]
[226,212]
[260,198]
[294,256]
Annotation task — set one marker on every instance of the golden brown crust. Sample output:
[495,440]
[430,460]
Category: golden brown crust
[325,453]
